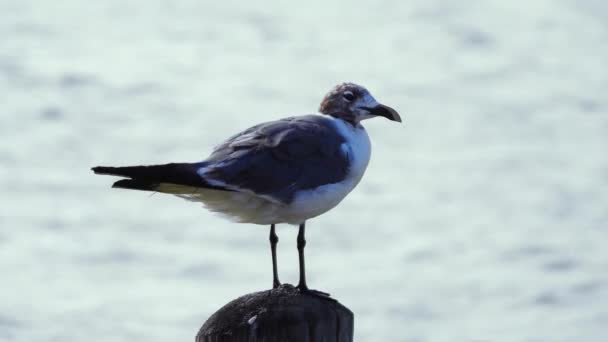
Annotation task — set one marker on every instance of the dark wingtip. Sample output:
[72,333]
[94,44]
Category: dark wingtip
[135,184]
[100,170]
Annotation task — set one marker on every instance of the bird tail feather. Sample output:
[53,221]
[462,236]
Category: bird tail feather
[157,177]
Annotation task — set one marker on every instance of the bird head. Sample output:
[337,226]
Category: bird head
[353,103]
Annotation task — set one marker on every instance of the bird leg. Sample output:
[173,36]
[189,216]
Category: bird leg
[302,284]
[301,244]
[274,239]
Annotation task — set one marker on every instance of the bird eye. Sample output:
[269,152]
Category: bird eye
[348,96]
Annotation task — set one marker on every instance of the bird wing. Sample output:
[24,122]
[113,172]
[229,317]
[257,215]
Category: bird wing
[276,159]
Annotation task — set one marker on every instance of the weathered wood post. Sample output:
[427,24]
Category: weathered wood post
[283,314]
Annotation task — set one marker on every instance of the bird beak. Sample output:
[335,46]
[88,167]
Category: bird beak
[385,111]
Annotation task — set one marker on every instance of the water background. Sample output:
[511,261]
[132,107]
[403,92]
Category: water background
[482,218]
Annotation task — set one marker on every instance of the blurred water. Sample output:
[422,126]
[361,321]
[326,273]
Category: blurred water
[482,218]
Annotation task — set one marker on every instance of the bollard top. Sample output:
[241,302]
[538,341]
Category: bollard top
[281,314]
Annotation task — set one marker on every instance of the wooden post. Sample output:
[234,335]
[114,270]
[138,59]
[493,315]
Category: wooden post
[283,314]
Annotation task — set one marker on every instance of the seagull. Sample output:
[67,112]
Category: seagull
[283,171]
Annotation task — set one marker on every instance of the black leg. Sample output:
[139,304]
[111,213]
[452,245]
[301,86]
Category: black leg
[301,244]
[274,239]
[302,284]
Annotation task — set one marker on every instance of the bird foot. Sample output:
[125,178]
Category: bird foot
[316,293]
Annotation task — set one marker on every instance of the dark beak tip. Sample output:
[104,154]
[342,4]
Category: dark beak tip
[391,114]
[397,117]
[385,111]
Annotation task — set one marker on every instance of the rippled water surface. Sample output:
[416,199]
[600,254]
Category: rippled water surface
[482,218]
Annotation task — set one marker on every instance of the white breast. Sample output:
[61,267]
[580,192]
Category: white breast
[359,149]
[314,202]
